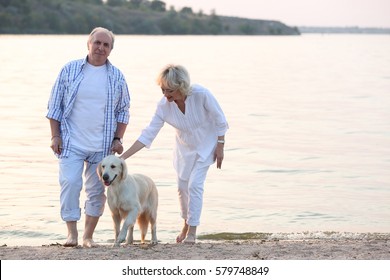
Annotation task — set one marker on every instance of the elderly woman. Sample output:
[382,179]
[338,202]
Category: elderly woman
[200,136]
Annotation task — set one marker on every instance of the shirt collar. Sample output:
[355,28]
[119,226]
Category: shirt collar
[85,60]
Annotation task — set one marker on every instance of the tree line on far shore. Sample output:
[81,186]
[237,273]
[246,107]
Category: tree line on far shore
[125,17]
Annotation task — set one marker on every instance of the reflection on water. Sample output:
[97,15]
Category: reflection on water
[308,149]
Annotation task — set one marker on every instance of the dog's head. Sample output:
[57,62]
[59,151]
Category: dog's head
[112,169]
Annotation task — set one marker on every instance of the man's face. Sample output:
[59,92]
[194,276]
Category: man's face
[99,48]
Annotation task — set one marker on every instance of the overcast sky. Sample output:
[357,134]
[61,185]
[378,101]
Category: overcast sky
[362,13]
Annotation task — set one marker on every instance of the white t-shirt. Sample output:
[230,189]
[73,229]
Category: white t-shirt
[87,118]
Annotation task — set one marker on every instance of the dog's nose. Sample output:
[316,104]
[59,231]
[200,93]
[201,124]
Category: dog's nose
[105,177]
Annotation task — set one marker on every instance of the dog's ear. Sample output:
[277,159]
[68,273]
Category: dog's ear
[99,170]
[124,169]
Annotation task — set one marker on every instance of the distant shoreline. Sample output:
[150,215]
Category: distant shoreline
[303,31]
[149,17]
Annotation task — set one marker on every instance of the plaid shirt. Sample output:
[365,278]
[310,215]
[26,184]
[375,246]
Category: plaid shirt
[64,92]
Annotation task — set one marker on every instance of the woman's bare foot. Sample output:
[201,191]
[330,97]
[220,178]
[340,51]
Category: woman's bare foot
[89,243]
[191,235]
[190,239]
[182,234]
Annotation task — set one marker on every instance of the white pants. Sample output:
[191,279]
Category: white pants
[191,194]
[71,181]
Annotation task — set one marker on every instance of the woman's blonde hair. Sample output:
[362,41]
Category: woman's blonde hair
[175,77]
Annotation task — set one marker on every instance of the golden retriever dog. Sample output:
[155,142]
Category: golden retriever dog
[131,198]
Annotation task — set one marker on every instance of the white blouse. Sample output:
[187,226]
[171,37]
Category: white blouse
[196,130]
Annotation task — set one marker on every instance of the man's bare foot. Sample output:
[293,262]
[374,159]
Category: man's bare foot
[182,234]
[70,242]
[89,243]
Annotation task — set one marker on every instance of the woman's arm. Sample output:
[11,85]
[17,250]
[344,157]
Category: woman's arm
[137,145]
[219,154]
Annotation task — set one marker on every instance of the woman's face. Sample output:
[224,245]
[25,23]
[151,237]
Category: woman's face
[172,94]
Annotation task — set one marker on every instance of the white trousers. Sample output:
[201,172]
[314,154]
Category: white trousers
[71,181]
[191,194]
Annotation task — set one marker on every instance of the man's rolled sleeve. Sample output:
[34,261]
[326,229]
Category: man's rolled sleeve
[123,114]
[55,114]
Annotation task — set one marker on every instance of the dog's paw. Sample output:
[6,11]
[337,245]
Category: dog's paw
[121,238]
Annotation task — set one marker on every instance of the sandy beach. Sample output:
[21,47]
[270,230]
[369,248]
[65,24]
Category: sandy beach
[319,249]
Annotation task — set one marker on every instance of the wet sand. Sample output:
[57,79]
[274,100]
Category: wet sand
[319,249]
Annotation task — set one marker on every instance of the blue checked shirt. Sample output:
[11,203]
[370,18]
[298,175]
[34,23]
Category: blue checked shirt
[63,96]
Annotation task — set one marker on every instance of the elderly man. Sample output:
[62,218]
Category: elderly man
[88,112]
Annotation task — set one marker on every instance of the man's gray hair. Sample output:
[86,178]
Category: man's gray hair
[105,30]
